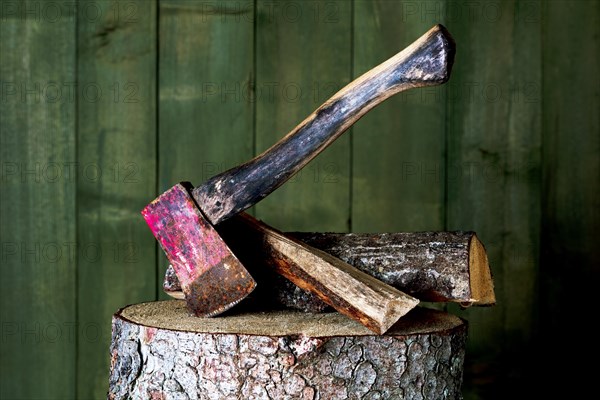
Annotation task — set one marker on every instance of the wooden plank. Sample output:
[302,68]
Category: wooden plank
[571,166]
[205,91]
[303,55]
[37,213]
[493,166]
[398,149]
[117,155]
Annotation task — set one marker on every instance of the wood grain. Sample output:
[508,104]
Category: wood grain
[398,174]
[117,138]
[570,232]
[570,209]
[206,111]
[37,203]
[493,170]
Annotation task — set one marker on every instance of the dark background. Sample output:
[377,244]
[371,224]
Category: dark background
[107,104]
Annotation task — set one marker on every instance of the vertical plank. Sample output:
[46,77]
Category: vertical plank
[493,174]
[37,202]
[399,148]
[116,156]
[303,56]
[205,91]
[571,166]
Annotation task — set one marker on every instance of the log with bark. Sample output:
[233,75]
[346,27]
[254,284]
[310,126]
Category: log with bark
[158,351]
[431,266]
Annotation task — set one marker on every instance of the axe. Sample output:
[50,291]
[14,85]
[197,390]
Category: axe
[183,218]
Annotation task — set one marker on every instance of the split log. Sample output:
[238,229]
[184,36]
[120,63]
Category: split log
[158,351]
[431,266]
[350,291]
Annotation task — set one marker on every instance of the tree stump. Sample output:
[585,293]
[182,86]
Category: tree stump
[158,351]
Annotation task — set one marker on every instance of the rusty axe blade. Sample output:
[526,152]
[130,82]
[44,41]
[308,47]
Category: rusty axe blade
[182,218]
[212,278]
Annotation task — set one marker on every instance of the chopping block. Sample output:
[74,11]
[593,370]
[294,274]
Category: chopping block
[158,351]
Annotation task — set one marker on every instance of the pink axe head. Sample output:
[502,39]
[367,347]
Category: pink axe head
[212,278]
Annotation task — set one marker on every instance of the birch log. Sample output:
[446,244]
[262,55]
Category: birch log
[159,352]
[431,266]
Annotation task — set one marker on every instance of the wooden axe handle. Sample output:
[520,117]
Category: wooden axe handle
[426,62]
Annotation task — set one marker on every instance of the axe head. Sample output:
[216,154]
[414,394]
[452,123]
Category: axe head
[212,278]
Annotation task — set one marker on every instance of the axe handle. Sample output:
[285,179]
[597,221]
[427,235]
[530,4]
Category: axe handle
[426,62]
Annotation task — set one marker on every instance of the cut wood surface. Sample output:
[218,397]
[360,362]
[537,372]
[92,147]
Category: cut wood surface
[159,351]
[431,266]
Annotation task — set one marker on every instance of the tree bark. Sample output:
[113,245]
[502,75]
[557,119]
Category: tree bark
[431,266]
[158,351]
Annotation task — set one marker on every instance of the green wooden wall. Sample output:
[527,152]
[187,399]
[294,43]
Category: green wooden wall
[106,104]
